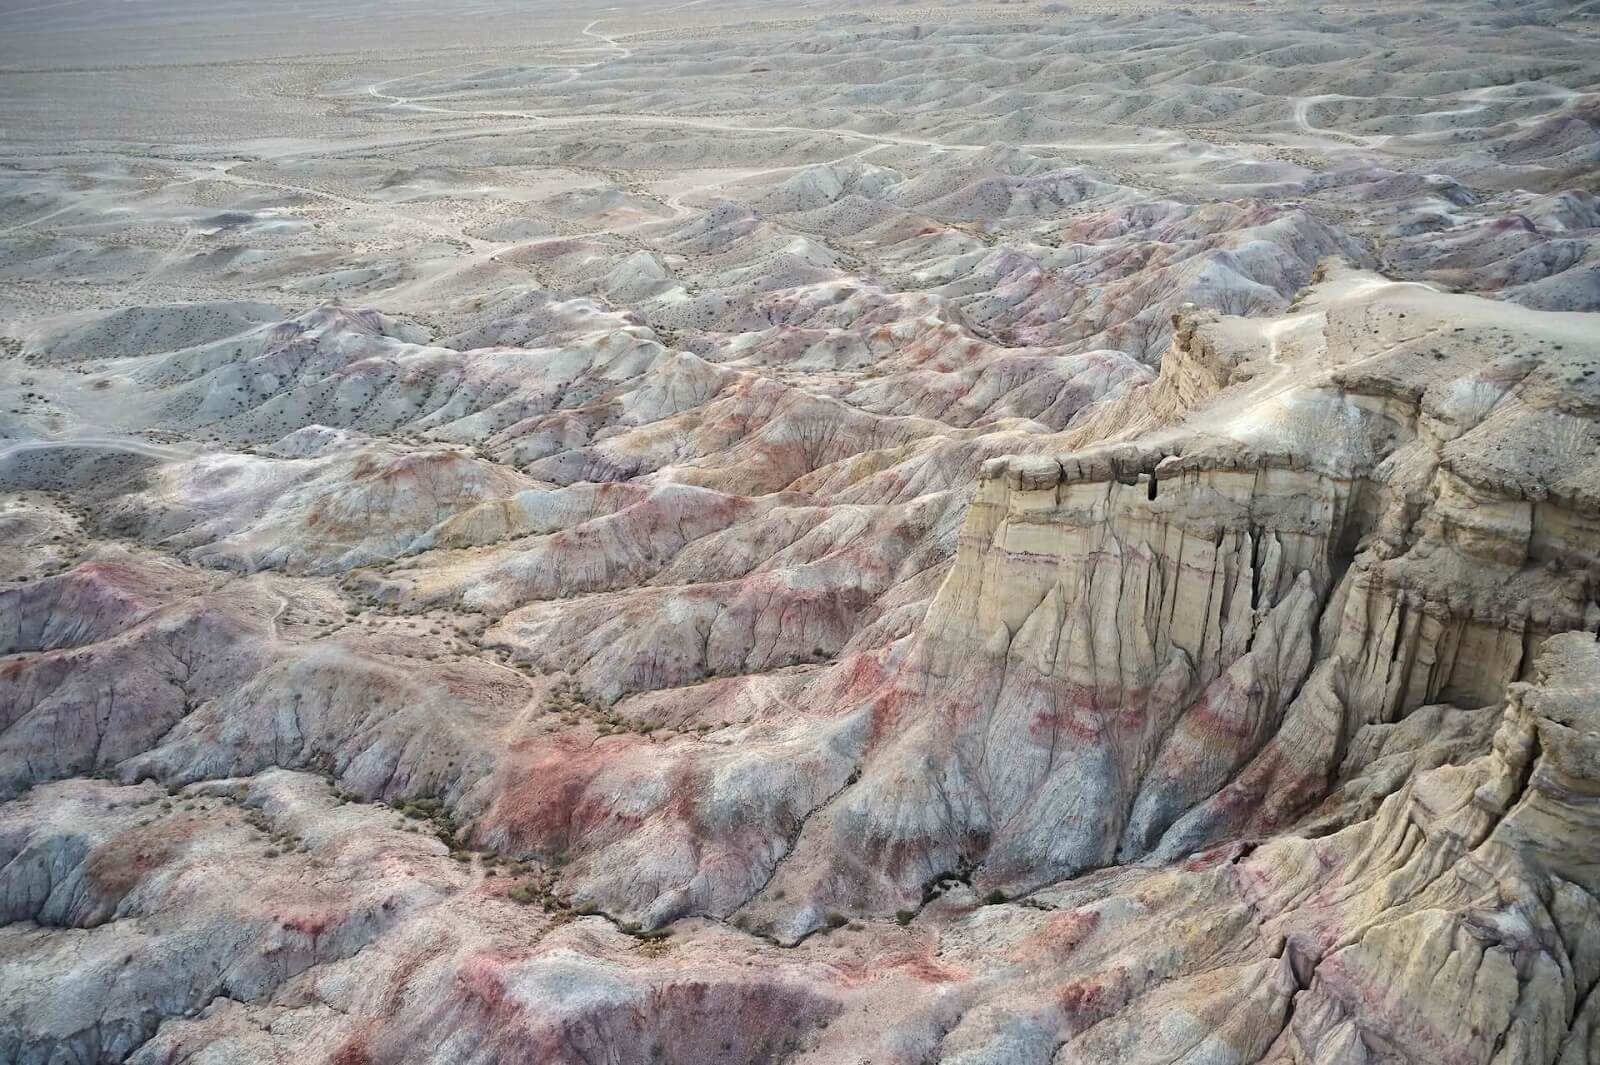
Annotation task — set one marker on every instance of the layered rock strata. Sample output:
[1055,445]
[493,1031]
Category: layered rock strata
[1384,501]
[1256,731]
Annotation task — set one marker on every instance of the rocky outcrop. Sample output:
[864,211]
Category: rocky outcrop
[1143,649]
[801,538]
[1444,912]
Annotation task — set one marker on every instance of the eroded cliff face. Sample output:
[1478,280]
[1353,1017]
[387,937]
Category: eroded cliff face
[1443,909]
[1381,502]
[1252,717]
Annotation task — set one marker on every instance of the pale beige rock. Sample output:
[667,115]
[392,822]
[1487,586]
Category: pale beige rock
[726,534]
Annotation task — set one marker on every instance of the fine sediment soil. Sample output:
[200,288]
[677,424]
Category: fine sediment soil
[721,533]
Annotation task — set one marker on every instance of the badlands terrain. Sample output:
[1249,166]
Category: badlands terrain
[716,533]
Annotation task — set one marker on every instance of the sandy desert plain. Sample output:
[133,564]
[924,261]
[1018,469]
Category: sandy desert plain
[850,534]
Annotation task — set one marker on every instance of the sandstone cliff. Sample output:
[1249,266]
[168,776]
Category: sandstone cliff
[1251,717]
[1383,501]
